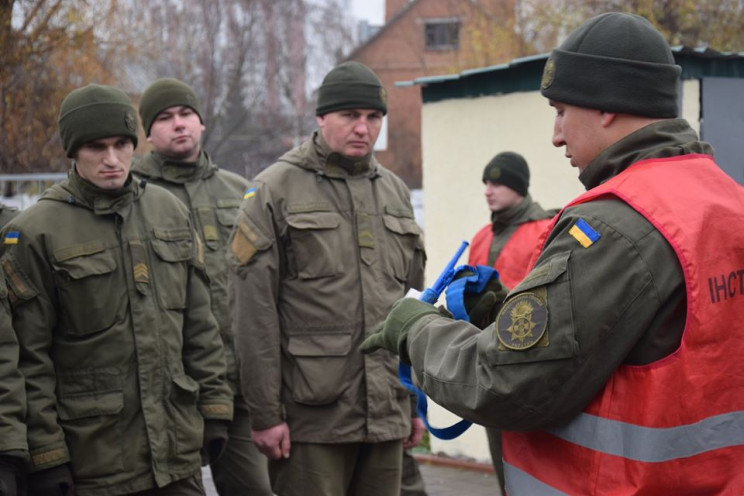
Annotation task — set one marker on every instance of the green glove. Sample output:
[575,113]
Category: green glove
[483,307]
[215,441]
[392,334]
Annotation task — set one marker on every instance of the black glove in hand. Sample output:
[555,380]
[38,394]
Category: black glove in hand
[392,335]
[215,441]
[10,466]
[483,307]
[55,481]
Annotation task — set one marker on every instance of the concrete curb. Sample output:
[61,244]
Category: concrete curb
[444,461]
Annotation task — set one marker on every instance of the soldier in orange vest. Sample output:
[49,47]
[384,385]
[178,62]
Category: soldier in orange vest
[615,366]
[509,240]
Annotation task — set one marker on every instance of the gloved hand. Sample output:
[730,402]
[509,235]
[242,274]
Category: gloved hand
[55,481]
[392,334]
[215,441]
[10,466]
[483,307]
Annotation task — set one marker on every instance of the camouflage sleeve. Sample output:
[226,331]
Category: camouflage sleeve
[254,258]
[31,294]
[561,332]
[203,352]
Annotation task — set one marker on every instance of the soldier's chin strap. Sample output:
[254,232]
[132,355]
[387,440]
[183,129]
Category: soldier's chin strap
[431,295]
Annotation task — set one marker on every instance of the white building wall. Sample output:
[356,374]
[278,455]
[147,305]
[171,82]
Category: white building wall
[459,137]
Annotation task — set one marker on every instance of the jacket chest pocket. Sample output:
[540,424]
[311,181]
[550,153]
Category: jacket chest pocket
[316,243]
[173,250]
[217,224]
[320,372]
[91,290]
[402,236]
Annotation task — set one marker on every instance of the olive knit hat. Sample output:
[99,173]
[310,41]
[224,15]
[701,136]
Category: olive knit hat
[614,62]
[509,169]
[351,85]
[165,93]
[94,112]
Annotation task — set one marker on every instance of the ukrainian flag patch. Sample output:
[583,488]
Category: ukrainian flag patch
[249,193]
[11,238]
[584,233]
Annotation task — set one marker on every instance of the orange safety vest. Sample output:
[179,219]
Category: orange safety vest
[675,426]
[514,260]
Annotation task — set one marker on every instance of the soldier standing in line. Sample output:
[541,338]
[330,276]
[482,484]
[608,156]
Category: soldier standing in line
[13,445]
[171,117]
[324,243]
[121,355]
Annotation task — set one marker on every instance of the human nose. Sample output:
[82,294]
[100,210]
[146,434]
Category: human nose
[558,140]
[361,127]
[109,157]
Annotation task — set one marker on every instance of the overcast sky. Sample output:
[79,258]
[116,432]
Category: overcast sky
[371,10]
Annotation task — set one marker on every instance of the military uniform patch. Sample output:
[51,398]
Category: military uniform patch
[130,120]
[522,322]
[383,96]
[584,233]
[548,74]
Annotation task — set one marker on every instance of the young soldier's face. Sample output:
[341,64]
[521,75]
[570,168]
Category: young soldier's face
[105,162]
[351,133]
[176,133]
[500,197]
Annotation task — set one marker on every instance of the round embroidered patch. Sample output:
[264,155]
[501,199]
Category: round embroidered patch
[548,74]
[522,322]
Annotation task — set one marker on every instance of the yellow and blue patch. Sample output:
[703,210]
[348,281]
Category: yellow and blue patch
[584,233]
[249,193]
[11,238]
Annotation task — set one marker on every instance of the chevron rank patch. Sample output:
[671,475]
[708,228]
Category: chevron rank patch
[584,233]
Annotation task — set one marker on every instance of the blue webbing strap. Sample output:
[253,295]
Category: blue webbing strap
[474,283]
[469,284]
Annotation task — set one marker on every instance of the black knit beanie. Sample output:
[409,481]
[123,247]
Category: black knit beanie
[509,169]
[165,93]
[615,62]
[351,85]
[94,112]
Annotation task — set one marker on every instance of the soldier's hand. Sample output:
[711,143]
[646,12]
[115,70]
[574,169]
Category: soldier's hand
[215,441]
[483,307]
[273,442]
[55,481]
[417,432]
[392,334]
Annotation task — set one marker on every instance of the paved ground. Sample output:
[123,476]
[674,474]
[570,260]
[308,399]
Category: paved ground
[439,480]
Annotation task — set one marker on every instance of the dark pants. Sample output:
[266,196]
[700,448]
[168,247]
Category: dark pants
[191,486]
[345,469]
[494,445]
[242,470]
[412,484]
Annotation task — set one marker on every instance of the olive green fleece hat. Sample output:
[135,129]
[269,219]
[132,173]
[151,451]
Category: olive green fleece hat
[94,112]
[509,169]
[614,62]
[351,85]
[165,93]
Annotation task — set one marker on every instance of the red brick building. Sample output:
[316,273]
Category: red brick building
[427,38]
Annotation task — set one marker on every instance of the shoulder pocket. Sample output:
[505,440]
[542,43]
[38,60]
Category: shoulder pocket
[319,373]
[247,240]
[536,321]
[316,243]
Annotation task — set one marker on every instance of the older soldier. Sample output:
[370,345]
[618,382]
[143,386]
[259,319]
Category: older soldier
[325,242]
[122,357]
[13,446]
[615,366]
[171,117]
